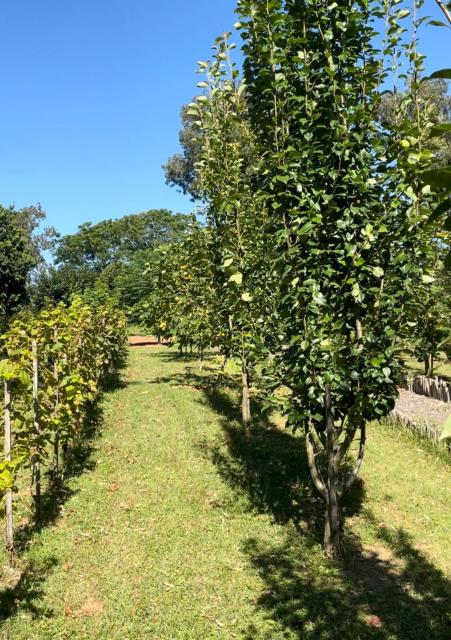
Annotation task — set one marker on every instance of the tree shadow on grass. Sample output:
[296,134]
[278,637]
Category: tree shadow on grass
[25,593]
[171,354]
[387,591]
[262,462]
[78,460]
[394,595]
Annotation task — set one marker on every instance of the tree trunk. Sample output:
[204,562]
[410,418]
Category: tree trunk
[428,364]
[55,461]
[332,524]
[9,494]
[246,398]
[64,452]
[224,363]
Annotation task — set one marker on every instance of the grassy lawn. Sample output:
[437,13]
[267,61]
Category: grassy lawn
[137,330]
[442,367]
[178,524]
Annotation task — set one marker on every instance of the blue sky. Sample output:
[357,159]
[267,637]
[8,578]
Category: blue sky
[92,91]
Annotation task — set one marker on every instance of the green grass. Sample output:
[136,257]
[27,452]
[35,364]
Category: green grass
[137,330]
[442,366]
[185,526]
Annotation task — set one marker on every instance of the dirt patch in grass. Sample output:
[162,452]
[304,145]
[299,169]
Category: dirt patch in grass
[92,607]
[145,341]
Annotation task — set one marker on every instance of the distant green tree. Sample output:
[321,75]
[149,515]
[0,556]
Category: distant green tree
[99,245]
[112,253]
[58,284]
[433,98]
[430,309]
[17,259]
[180,169]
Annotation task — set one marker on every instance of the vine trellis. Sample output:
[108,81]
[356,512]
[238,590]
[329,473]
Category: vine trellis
[54,366]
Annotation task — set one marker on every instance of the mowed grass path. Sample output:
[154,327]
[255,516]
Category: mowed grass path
[188,527]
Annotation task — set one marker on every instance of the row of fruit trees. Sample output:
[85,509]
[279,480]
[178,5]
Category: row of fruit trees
[320,225]
[53,366]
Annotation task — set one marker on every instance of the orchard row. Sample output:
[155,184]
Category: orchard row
[53,367]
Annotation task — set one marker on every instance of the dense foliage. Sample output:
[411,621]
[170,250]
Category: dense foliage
[112,252]
[318,199]
[182,301]
[54,367]
[20,253]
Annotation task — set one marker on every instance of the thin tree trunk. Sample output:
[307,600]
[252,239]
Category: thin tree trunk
[332,524]
[9,494]
[246,398]
[224,363]
[36,460]
[64,451]
[55,461]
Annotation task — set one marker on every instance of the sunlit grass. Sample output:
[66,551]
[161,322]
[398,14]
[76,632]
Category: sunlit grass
[190,527]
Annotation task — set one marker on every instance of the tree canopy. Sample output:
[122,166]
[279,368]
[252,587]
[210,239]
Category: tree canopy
[96,246]
[112,253]
[21,250]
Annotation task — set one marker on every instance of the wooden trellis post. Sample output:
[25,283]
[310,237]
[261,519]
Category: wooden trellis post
[55,461]
[9,493]
[36,429]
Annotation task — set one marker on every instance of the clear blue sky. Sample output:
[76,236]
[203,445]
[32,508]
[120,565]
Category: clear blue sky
[91,96]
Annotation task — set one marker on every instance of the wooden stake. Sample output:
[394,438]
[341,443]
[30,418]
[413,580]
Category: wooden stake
[55,462]
[36,428]
[9,493]
[245,396]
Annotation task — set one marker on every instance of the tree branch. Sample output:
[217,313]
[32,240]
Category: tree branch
[319,484]
[445,10]
[355,472]
[343,448]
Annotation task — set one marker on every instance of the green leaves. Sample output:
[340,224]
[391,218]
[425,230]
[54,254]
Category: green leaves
[75,346]
[442,208]
[440,129]
[440,178]
[11,371]
[442,73]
